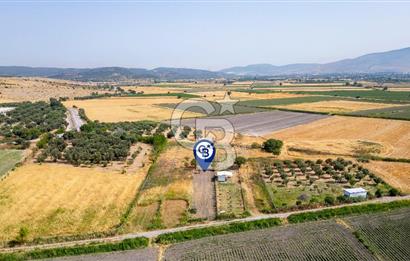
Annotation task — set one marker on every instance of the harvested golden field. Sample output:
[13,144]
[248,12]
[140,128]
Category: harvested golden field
[337,106]
[5,100]
[394,173]
[36,89]
[59,199]
[393,135]
[172,211]
[127,109]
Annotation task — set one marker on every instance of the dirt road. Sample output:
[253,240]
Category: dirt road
[74,120]
[204,195]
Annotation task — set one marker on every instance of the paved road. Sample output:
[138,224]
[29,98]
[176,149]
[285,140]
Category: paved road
[155,233]
[74,120]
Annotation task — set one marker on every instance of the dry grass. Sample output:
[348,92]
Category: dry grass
[393,135]
[336,106]
[170,179]
[36,89]
[395,173]
[5,100]
[127,109]
[58,199]
[330,148]
[141,217]
[172,211]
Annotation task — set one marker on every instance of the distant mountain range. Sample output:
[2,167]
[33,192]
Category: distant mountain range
[111,73]
[397,61]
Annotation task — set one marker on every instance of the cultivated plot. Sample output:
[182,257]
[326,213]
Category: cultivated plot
[337,106]
[387,234]
[309,241]
[393,135]
[261,123]
[59,199]
[127,109]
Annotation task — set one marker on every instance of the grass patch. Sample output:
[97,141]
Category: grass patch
[217,230]
[126,244]
[388,96]
[399,113]
[8,159]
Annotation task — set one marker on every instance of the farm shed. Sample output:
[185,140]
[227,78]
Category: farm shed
[223,176]
[355,192]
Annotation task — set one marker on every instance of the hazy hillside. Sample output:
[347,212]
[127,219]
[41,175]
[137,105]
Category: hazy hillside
[397,61]
[110,73]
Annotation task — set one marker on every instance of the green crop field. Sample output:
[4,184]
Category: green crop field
[308,241]
[385,234]
[387,96]
[286,101]
[402,112]
[8,159]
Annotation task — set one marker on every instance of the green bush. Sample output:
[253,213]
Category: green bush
[216,230]
[273,146]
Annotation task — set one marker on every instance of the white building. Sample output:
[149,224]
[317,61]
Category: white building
[223,176]
[355,192]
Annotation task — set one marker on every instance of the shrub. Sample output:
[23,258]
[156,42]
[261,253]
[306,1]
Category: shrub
[394,192]
[239,161]
[273,146]
[329,200]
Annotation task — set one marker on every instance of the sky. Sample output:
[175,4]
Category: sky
[196,34]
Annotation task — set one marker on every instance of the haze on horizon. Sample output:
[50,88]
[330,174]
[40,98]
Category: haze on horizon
[196,35]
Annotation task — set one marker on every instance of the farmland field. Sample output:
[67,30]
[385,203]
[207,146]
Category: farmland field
[401,112]
[229,199]
[395,173]
[261,123]
[393,135]
[8,159]
[283,184]
[166,193]
[127,109]
[338,106]
[287,101]
[397,96]
[242,96]
[309,241]
[386,234]
[59,199]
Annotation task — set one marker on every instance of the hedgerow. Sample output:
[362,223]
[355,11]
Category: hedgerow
[126,244]
[217,230]
[348,210]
